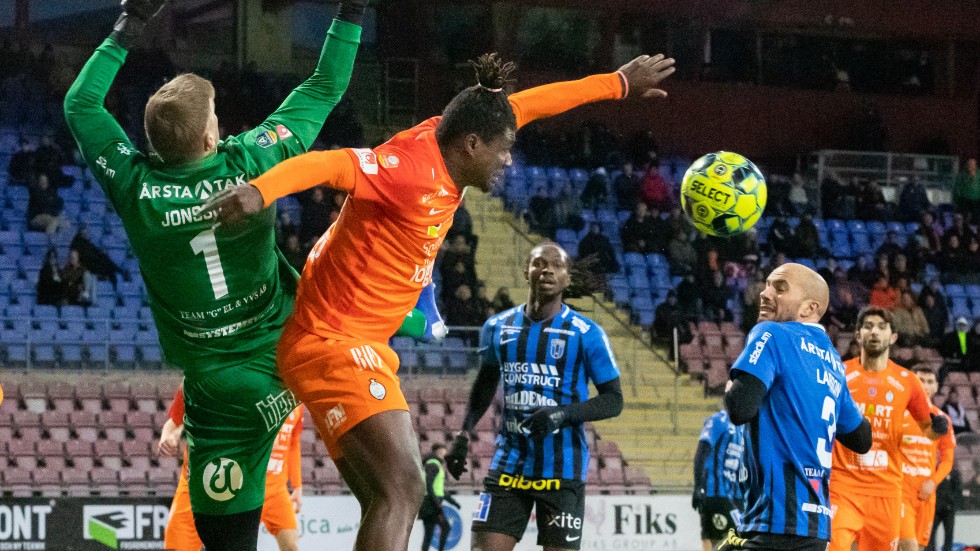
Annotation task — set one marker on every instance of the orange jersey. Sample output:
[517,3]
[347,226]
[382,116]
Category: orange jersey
[924,458]
[285,462]
[366,272]
[883,398]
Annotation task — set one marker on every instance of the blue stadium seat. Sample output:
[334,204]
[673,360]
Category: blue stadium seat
[10,239]
[911,228]
[834,225]
[635,260]
[973,291]
[976,310]
[896,227]
[856,226]
[819,224]
[841,250]
[99,312]
[44,311]
[861,244]
[97,335]
[74,327]
[45,355]
[36,241]
[875,226]
[71,355]
[578,175]
[808,262]
[124,355]
[960,308]
[18,311]
[16,355]
[656,260]
[620,295]
[646,317]
[147,337]
[641,302]
[71,312]
[150,354]
[98,354]
[955,290]
[639,282]
[6,277]
[536,174]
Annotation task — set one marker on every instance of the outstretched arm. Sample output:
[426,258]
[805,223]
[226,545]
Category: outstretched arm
[640,76]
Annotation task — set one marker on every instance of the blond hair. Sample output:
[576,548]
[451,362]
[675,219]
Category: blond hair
[177,117]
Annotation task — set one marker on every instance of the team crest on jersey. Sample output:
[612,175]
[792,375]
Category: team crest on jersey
[889,397]
[388,161]
[266,139]
[557,348]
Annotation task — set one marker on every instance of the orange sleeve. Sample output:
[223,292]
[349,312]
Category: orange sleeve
[551,99]
[334,168]
[294,459]
[918,403]
[945,463]
[176,411]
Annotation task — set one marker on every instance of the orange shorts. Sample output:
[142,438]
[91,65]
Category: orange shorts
[277,510]
[873,522]
[917,517]
[341,382]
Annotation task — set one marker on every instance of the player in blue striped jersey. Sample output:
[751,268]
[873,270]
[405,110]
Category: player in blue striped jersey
[789,386]
[545,354]
[719,472]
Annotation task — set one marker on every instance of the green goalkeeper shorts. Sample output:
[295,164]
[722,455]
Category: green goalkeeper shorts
[232,417]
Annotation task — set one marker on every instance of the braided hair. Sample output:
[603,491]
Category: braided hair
[481,109]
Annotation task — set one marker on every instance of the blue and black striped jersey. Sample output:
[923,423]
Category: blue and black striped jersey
[546,363]
[724,468]
[789,444]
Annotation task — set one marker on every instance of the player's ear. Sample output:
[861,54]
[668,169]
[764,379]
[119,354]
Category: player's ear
[894,337]
[209,141]
[471,142]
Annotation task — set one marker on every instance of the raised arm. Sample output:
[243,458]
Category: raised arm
[640,76]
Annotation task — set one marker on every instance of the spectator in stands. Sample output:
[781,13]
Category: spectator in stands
[958,348]
[953,260]
[462,310]
[501,300]
[463,225]
[48,160]
[853,350]
[456,275]
[627,187]
[750,299]
[931,234]
[683,257]
[285,227]
[966,190]
[666,317]
[745,247]
[568,209]
[775,261]
[837,197]
[21,167]
[314,216]
[49,286]
[540,214]
[843,314]
[455,251]
[596,192]
[294,253]
[689,298]
[94,259]
[909,321]
[889,248]
[956,412]
[482,302]
[862,272]
[655,189]
[715,297]
[78,283]
[598,245]
[936,315]
[913,201]
[639,233]
[44,207]
[883,294]
[959,228]
[883,267]
[828,273]
[780,236]
[807,238]
[871,204]
[900,269]
[798,199]
[949,499]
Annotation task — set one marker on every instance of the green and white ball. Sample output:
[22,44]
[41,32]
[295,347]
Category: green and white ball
[723,194]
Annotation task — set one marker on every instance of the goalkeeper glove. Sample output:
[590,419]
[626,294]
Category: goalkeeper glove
[456,458]
[435,328]
[940,425]
[133,19]
[544,421]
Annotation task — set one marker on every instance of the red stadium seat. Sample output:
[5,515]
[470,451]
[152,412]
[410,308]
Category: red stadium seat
[57,424]
[117,395]
[113,425]
[144,395]
[109,453]
[88,392]
[612,476]
[61,395]
[28,425]
[34,395]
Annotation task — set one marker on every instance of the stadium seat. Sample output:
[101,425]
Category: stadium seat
[113,425]
[109,454]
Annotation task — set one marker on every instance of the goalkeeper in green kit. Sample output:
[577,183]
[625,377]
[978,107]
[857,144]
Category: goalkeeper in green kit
[219,298]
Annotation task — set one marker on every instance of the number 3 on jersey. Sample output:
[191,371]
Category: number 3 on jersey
[206,243]
[824,451]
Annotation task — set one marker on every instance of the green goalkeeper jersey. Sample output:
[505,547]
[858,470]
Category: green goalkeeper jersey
[216,293]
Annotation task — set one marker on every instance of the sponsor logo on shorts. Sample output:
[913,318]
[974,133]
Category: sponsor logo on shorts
[482,508]
[366,357]
[520,483]
[377,390]
[719,521]
[223,479]
[335,417]
[274,409]
[566,521]
[125,526]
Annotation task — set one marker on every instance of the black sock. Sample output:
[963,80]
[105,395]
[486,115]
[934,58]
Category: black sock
[237,532]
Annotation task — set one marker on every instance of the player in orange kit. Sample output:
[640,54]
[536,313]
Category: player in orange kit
[280,506]
[367,270]
[866,489]
[921,473]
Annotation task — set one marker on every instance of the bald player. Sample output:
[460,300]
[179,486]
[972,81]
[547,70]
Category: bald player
[788,387]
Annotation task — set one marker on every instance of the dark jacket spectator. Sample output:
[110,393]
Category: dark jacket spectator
[683,257]
[715,295]
[956,412]
[314,218]
[294,253]
[94,259]
[936,315]
[44,207]
[540,214]
[596,192]
[76,288]
[501,300]
[837,197]
[807,238]
[49,286]
[21,167]
[780,236]
[863,272]
[462,310]
[596,244]
[953,259]
[689,298]
[890,247]
[960,229]
[463,225]
[48,160]
[454,276]
[913,201]
[667,316]
[639,232]
[958,348]
[871,203]
[627,187]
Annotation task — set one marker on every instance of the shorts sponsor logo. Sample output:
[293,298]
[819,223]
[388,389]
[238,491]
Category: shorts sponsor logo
[335,417]
[366,358]
[566,521]
[223,479]
[719,521]
[520,483]
[125,526]
[377,390]
[274,408]
[482,508]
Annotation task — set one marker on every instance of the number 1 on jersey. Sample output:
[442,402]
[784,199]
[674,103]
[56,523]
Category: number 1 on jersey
[206,243]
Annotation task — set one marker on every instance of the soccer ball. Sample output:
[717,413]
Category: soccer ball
[723,194]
